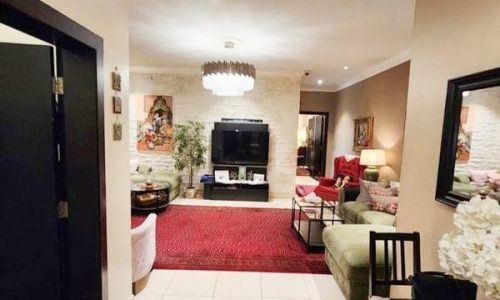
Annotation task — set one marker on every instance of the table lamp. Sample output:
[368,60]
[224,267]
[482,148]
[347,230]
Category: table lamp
[372,158]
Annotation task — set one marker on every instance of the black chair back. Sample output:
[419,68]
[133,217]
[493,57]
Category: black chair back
[393,273]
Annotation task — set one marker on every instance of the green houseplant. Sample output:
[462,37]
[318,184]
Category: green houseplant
[189,150]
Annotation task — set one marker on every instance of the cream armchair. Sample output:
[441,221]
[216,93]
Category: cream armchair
[143,248]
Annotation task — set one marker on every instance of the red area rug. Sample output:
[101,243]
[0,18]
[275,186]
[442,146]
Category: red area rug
[231,239]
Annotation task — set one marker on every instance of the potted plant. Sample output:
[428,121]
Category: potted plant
[189,151]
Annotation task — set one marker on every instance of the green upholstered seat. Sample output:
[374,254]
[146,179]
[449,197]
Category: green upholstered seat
[347,256]
[376,217]
[350,211]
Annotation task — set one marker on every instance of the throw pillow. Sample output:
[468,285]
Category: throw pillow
[381,191]
[388,204]
[480,177]
[364,186]
[492,177]
[395,185]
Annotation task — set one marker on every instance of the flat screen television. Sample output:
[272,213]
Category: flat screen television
[240,147]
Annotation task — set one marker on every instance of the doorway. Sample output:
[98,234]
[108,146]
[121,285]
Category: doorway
[52,208]
[311,144]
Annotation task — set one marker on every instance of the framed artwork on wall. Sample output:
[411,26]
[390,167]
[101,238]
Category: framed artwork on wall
[363,134]
[155,131]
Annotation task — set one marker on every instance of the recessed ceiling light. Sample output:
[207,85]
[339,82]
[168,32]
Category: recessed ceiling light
[465,93]
[320,82]
[346,68]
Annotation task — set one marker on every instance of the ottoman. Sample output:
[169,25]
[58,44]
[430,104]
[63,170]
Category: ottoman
[347,256]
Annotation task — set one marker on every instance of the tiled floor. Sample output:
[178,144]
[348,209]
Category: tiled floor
[305,180]
[221,285]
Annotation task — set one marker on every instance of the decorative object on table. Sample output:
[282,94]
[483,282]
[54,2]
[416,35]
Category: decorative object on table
[189,150]
[249,175]
[117,105]
[312,198]
[155,132]
[116,80]
[258,177]
[372,158]
[438,285]
[228,78]
[242,173]
[117,131]
[471,251]
[363,134]
[221,175]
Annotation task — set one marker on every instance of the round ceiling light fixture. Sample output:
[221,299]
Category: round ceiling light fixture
[228,78]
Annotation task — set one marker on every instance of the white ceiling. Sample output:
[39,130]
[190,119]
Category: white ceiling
[286,36]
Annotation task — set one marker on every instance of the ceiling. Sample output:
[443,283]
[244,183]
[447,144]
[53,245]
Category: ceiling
[282,36]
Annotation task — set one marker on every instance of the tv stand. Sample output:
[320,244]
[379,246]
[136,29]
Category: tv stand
[236,191]
[240,190]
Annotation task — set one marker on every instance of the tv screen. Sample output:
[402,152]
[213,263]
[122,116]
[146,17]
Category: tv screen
[235,147]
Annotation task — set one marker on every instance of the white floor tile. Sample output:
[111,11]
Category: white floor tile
[238,284]
[322,287]
[158,282]
[283,286]
[148,297]
[235,298]
[305,180]
[185,298]
[192,283]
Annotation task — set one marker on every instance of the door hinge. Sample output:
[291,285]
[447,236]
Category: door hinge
[62,210]
[57,85]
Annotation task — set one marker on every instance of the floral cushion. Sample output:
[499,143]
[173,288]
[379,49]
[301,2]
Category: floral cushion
[388,204]
[480,177]
[380,190]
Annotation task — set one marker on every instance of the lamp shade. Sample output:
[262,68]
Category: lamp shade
[372,157]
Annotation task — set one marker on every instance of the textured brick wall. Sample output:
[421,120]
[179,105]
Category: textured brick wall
[483,122]
[275,100]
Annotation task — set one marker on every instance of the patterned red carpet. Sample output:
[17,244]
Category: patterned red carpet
[231,239]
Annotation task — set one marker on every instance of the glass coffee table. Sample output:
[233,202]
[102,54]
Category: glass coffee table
[146,199]
[309,219]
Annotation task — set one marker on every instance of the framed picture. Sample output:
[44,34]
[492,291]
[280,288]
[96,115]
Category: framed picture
[117,132]
[363,134]
[155,130]
[117,105]
[116,80]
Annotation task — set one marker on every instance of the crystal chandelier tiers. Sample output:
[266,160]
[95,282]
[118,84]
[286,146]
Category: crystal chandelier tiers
[228,78]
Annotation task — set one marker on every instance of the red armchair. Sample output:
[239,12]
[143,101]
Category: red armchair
[341,167]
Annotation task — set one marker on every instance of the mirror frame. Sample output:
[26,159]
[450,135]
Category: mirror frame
[476,81]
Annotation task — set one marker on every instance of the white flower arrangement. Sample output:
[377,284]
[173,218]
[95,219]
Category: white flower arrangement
[472,250]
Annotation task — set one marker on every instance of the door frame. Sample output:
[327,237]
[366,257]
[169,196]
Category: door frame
[325,135]
[45,23]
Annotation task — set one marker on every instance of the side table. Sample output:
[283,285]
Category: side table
[309,219]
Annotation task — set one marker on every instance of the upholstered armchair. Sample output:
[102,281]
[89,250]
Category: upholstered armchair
[342,166]
[143,248]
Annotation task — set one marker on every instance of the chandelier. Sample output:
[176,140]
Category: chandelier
[228,78]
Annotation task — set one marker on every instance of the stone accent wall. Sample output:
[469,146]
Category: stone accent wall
[275,100]
[483,122]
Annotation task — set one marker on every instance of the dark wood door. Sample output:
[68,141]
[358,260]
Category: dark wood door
[315,146]
[80,156]
[29,241]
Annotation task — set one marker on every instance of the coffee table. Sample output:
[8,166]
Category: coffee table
[146,199]
[309,219]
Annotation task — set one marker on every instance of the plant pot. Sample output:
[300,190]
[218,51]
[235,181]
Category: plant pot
[191,192]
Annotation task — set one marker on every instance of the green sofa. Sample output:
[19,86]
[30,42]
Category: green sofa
[356,212]
[347,257]
[162,177]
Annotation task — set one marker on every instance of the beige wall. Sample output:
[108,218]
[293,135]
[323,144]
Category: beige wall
[382,96]
[321,102]
[109,19]
[449,41]
[275,100]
